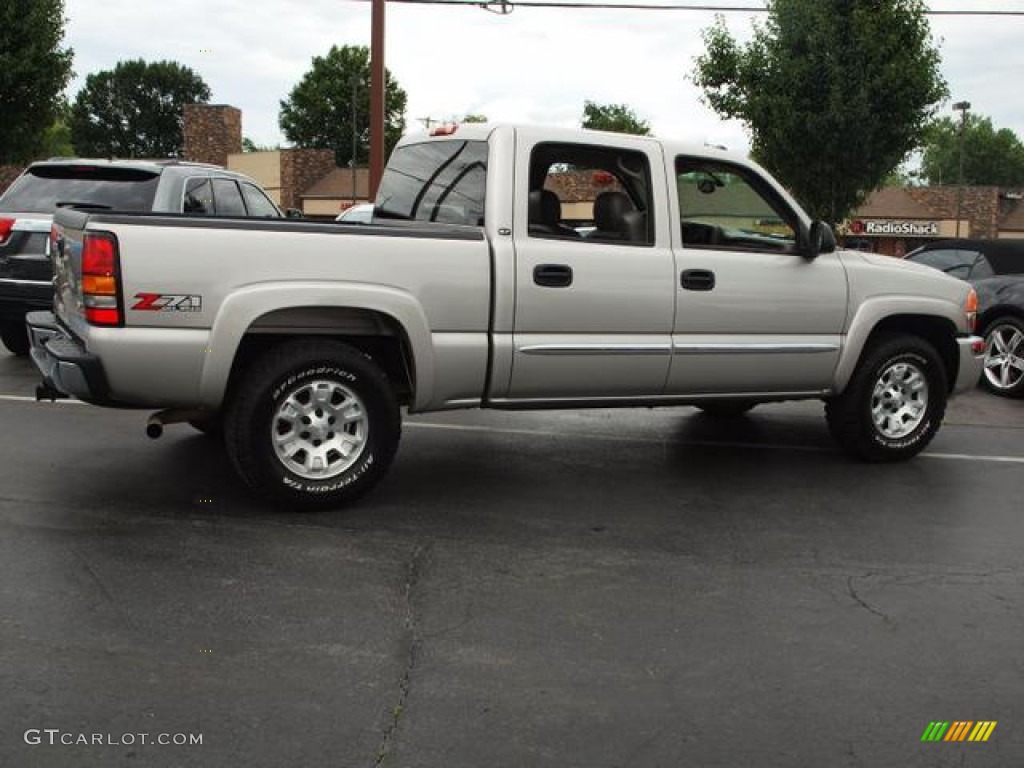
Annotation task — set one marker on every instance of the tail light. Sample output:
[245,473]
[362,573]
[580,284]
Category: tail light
[6,227]
[100,278]
[971,310]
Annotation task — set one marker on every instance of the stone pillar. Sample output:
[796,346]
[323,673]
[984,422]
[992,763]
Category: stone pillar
[212,132]
[300,170]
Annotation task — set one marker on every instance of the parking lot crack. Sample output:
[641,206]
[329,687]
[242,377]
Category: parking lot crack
[413,640]
[862,602]
[93,576]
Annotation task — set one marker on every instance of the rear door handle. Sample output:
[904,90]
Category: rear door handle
[697,279]
[553,275]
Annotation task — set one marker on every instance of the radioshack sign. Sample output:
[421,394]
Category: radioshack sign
[894,228]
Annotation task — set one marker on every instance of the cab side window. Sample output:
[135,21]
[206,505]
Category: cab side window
[589,193]
[198,198]
[727,207]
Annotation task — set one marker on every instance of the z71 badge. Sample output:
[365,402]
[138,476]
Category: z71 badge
[168,302]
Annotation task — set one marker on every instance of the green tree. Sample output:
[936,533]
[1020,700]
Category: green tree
[57,137]
[34,70]
[318,112]
[248,145]
[135,109]
[474,119]
[903,175]
[991,157]
[834,93]
[617,118]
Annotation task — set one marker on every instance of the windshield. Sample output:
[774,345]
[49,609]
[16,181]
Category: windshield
[45,187]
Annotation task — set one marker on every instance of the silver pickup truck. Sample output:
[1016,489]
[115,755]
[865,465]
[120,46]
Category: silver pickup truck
[505,267]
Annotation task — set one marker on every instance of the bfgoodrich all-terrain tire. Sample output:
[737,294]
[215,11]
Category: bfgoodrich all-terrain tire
[894,402]
[15,338]
[312,423]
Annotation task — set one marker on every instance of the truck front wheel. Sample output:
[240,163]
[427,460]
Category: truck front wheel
[894,403]
[312,423]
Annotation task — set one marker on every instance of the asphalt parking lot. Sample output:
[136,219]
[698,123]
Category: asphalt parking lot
[587,588]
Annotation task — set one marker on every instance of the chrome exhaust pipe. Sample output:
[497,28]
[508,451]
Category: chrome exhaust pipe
[155,424]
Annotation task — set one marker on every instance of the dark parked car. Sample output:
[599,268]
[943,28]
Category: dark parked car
[26,210]
[996,270]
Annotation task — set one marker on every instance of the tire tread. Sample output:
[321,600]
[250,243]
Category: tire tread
[243,447]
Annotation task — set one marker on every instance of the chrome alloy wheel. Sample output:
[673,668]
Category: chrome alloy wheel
[1004,357]
[899,401]
[319,429]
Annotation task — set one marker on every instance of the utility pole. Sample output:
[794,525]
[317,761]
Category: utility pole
[355,137]
[377,87]
[962,107]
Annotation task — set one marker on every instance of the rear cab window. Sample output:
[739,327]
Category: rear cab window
[43,188]
[440,181]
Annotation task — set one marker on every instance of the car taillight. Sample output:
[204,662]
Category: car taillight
[6,227]
[100,270]
[971,310]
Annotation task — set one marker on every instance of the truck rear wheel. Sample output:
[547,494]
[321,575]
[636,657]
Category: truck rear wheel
[313,423]
[894,403]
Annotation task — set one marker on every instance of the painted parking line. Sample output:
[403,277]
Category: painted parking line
[31,399]
[622,439]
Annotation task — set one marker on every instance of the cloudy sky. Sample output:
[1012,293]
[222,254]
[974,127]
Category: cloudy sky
[533,65]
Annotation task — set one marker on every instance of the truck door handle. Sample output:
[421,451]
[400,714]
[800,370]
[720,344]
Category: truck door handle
[553,275]
[697,279]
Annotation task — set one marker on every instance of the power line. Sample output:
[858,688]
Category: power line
[506,6]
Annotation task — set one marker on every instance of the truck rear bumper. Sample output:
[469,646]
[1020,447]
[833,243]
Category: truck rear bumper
[972,361]
[63,362]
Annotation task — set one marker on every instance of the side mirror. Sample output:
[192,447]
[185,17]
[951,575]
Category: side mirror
[293,213]
[819,240]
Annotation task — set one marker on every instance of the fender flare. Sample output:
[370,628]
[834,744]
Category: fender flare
[244,306]
[873,311]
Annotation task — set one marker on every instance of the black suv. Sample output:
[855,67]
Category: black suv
[996,270]
[26,210]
